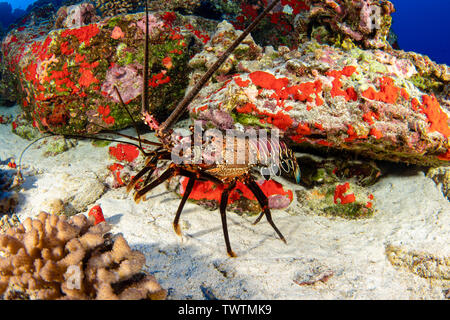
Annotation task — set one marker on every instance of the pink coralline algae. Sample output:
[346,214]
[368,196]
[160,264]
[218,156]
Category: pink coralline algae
[127,79]
[117,33]
[219,118]
[154,24]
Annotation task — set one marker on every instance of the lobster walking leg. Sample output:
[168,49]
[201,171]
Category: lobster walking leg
[169,173]
[263,202]
[186,194]
[223,208]
[150,166]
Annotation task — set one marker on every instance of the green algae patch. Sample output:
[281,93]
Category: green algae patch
[247,119]
[57,145]
[345,200]
[100,143]
[426,84]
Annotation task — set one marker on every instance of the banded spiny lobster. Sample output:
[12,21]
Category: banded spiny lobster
[225,172]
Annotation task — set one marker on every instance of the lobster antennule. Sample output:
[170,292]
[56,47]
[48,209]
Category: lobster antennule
[182,105]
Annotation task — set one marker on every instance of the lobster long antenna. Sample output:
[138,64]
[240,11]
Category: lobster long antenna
[130,115]
[107,130]
[144,106]
[180,108]
[30,144]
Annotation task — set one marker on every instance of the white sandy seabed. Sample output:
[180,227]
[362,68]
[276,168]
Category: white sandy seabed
[325,258]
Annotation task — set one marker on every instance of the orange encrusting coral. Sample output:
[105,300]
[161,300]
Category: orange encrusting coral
[436,116]
[352,134]
[388,91]
[124,152]
[83,34]
[368,117]
[97,213]
[339,194]
[336,90]
[116,170]
[266,80]
[207,190]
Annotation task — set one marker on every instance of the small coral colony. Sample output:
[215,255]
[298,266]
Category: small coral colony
[314,76]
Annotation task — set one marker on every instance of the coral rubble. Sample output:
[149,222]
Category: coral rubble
[53,257]
[346,200]
[441,175]
[424,264]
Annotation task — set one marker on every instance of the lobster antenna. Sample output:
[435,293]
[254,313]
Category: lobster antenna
[30,144]
[107,130]
[144,107]
[130,115]
[180,108]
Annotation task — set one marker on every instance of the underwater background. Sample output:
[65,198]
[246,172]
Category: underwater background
[363,107]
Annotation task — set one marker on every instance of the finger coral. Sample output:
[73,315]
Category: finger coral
[53,257]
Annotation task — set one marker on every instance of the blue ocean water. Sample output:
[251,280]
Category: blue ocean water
[421,26]
[21,4]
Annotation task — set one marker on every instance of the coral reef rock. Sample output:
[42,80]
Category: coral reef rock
[65,78]
[115,7]
[368,102]
[76,16]
[53,257]
[75,193]
[360,23]
[441,175]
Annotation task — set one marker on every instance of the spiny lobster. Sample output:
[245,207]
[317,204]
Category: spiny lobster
[226,172]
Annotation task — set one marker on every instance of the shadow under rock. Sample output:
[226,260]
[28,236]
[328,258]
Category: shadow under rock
[398,169]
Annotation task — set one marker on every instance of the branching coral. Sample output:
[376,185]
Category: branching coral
[53,257]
